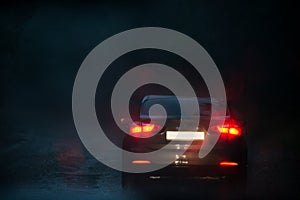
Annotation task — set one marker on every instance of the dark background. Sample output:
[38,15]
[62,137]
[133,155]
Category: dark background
[42,45]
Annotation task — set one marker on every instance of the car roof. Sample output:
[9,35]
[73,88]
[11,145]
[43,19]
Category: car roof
[207,100]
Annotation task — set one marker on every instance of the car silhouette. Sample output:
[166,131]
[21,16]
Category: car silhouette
[225,163]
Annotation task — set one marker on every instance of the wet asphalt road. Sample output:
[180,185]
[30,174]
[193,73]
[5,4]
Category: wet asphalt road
[58,166]
[43,46]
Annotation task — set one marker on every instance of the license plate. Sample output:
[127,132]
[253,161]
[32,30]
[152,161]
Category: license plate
[184,135]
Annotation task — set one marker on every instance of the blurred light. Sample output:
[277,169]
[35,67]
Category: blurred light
[235,131]
[227,163]
[141,162]
[136,129]
[144,130]
[230,127]
[148,127]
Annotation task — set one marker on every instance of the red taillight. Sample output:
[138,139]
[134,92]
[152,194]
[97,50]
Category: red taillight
[228,163]
[143,130]
[141,162]
[135,129]
[230,128]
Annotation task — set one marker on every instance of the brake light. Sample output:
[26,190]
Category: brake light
[144,130]
[141,162]
[148,128]
[135,129]
[230,128]
[227,163]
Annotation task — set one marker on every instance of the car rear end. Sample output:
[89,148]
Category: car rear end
[226,162]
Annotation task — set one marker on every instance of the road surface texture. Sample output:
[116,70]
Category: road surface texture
[43,45]
[56,165]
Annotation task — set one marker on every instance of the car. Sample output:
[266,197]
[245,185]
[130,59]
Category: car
[225,163]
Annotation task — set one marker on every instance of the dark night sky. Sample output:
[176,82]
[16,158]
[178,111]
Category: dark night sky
[43,45]
[254,45]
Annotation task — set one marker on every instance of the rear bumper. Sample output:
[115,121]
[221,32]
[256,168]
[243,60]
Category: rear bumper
[190,173]
[233,151]
[199,177]
[193,170]
[190,182]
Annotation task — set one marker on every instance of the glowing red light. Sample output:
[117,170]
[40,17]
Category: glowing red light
[228,163]
[144,130]
[230,127]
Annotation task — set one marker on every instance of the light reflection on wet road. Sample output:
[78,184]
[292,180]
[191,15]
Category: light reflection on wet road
[60,167]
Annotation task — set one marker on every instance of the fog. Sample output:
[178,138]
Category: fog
[43,45]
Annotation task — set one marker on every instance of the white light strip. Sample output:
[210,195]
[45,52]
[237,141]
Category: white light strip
[185,135]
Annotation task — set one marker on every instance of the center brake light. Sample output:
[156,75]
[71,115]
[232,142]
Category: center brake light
[230,128]
[143,130]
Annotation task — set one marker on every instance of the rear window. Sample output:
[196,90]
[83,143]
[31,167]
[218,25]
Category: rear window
[172,106]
